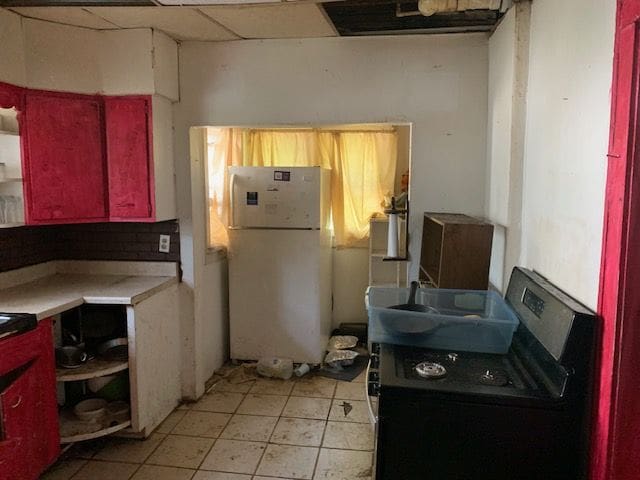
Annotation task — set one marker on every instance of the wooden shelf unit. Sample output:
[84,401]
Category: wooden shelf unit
[456,251]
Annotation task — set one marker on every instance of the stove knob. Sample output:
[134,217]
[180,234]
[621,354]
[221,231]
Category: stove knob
[375,348]
[373,388]
[375,362]
[374,377]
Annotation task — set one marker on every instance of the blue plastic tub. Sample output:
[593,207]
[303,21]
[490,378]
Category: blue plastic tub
[466,320]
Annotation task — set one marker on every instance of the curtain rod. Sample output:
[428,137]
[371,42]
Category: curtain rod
[321,130]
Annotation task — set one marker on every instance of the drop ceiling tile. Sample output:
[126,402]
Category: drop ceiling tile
[181,23]
[297,20]
[75,16]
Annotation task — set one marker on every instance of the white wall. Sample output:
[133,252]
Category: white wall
[203,296]
[502,51]
[438,82]
[51,56]
[350,278]
[568,103]
[508,76]
[12,62]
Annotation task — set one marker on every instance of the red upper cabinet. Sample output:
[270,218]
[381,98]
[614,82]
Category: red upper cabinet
[11,96]
[128,137]
[63,158]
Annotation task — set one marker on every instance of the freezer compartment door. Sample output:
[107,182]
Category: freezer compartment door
[275,197]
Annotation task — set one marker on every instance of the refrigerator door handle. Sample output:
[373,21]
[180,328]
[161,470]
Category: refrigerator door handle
[232,199]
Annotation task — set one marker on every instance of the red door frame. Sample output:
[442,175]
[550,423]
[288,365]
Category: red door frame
[616,439]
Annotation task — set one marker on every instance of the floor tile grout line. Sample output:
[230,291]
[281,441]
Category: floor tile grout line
[255,470]
[324,431]
[218,438]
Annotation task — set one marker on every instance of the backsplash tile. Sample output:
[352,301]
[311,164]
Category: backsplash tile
[23,246]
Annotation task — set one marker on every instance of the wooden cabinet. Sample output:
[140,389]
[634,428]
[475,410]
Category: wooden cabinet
[29,440]
[128,137]
[89,158]
[456,251]
[10,96]
[64,167]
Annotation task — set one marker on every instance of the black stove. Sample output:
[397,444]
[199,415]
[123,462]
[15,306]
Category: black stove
[459,415]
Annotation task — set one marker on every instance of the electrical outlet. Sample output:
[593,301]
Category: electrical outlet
[165,243]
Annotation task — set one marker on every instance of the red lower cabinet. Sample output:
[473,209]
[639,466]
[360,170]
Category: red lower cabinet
[29,438]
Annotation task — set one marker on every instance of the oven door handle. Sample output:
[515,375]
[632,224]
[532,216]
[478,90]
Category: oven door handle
[372,417]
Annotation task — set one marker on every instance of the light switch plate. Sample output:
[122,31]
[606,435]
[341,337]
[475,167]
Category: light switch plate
[164,244]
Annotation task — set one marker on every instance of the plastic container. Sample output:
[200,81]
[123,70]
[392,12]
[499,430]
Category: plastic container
[302,369]
[274,367]
[466,320]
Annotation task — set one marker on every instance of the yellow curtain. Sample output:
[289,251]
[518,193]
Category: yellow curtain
[362,168]
[224,148]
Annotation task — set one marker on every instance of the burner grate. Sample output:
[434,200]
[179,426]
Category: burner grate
[460,368]
[430,370]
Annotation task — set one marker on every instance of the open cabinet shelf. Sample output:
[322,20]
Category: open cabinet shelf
[94,368]
[74,430]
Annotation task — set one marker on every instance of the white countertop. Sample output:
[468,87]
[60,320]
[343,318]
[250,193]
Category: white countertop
[58,292]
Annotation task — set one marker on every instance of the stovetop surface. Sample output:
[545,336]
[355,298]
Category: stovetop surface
[467,373]
[464,368]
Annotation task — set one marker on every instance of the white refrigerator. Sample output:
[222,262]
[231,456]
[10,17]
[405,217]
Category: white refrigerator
[279,263]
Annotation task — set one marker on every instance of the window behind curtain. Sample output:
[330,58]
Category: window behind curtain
[362,164]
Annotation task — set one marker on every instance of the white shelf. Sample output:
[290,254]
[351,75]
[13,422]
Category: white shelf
[382,272]
[9,132]
[11,225]
[92,369]
[11,180]
[74,430]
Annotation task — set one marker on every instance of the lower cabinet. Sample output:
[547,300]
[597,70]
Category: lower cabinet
[136,381]
[154,359]
[29,440]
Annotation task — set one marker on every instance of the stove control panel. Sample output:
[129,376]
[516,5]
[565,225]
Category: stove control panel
[373,389]
[373,376]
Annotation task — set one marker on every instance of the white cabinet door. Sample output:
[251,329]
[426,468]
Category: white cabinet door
[154,359]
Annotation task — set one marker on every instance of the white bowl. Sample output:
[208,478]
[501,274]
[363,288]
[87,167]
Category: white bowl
[90,410]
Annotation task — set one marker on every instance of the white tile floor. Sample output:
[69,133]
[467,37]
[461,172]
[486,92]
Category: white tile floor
[261,430]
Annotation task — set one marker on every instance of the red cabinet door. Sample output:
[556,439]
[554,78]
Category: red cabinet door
[128,135]
[20,427]
[29,438]
[64,167]
[11,96]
